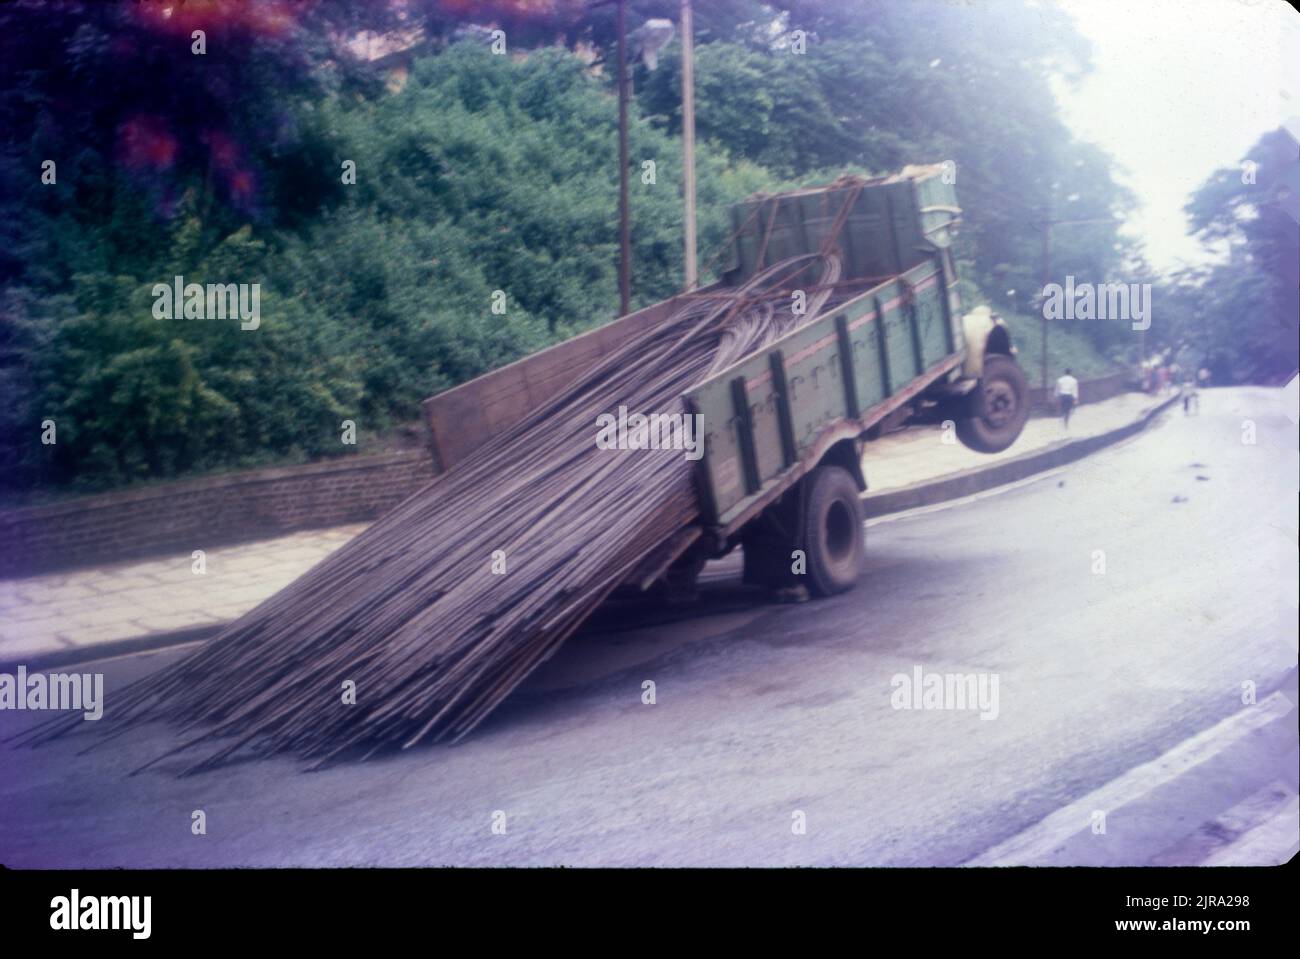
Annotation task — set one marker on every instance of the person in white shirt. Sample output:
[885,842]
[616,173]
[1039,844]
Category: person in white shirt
[1067,395]
[1190,397]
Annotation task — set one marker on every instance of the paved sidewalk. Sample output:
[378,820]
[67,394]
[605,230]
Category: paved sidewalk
[59,613]
[920,453]
[58,617]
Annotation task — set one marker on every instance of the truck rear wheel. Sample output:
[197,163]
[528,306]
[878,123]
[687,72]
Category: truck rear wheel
[832,534]
[997,408]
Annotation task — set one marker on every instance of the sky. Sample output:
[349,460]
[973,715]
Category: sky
[1180,88]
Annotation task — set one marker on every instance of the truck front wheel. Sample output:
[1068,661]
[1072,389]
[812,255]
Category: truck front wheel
[833,537]
[997,408]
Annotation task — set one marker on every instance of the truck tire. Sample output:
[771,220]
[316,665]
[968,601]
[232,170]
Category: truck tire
[832,533]
[997,408]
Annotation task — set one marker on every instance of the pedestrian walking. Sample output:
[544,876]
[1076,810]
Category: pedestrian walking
[1067,396]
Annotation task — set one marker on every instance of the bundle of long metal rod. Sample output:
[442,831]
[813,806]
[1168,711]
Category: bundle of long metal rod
[411,610]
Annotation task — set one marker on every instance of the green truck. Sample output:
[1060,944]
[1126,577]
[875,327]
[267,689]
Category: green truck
[786,428]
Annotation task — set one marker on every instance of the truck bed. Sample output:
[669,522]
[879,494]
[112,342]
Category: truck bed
[770,415]
[887,335]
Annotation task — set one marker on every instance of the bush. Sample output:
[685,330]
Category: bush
[482,173]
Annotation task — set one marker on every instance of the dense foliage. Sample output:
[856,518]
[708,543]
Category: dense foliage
[1241,316]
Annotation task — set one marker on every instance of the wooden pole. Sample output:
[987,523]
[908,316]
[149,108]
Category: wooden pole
[688,140]
[1047,278]
[1048,223]
[624,224]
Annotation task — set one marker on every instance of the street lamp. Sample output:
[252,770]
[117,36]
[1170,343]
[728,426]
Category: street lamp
[651,37]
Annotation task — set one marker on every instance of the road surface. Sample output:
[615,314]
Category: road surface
[1120,604]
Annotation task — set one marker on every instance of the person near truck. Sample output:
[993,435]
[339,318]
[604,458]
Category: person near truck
[1067,396]
[1191,399]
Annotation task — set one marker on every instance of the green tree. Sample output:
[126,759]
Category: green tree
[1241,314]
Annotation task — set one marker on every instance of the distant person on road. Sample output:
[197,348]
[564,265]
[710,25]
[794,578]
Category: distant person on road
[1067,395]
[1190,397]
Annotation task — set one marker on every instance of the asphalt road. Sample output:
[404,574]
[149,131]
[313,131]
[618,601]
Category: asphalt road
[768,715]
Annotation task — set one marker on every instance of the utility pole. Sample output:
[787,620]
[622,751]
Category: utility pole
[624,225]
[1048,223]
[688,141]
[1047,278]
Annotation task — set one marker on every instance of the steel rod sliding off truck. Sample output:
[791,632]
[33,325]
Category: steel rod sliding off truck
[786,428]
